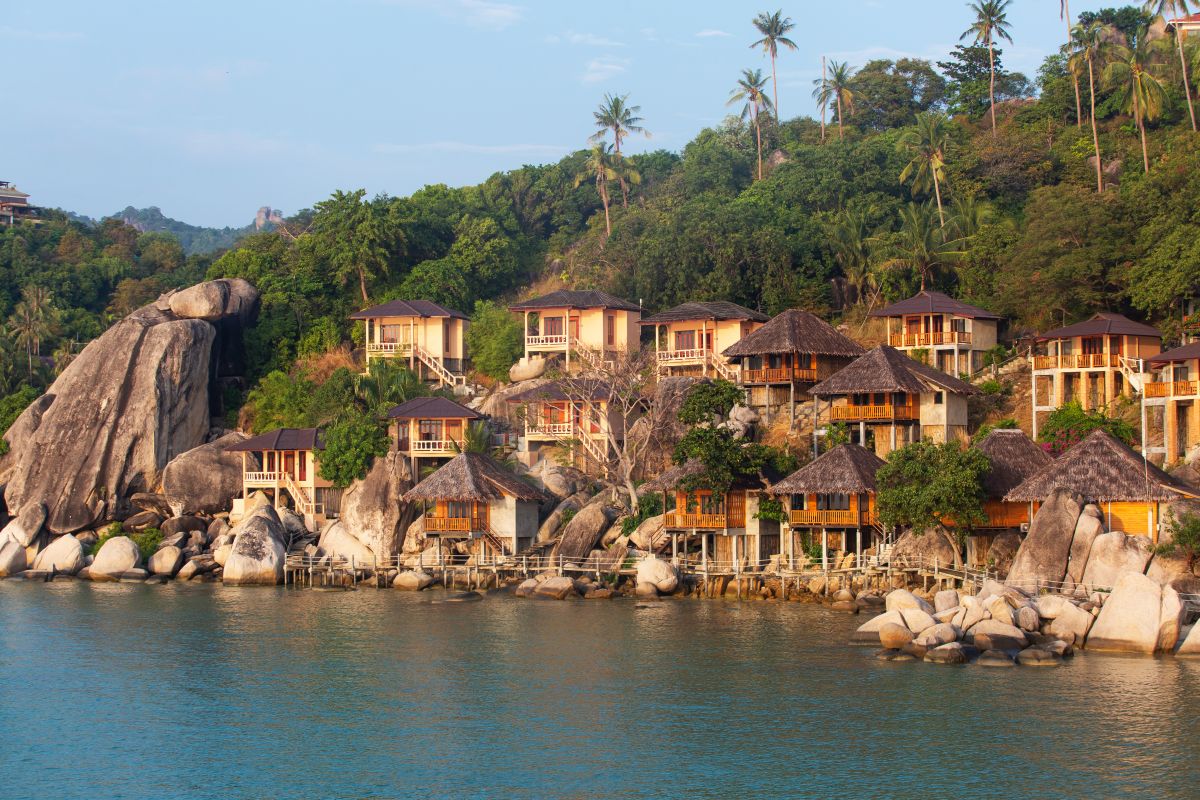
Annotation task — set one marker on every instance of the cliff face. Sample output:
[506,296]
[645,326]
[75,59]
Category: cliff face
[130,402]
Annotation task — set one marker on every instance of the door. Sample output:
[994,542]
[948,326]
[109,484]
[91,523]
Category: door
[574,328]
[454,430]
[708,341]
[289,463]
[302,467]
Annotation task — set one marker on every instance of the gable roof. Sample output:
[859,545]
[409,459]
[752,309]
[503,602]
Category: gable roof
[432,408]
[472,477]
[1106,322]
[1185,353]
[1101,468]
[714,310]
[886,369]
[282,439]
[846,469]
[573,298]
[794,331]
[925,302]
[1014,458]
[408,308]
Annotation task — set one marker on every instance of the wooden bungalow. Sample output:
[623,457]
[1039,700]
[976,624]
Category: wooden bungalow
[429,336]
[579,423]
[722,533]
[1013,458]
[472,498]
[582,326]
[955,334]
[1176,390]
[690,339]
[429,429]
[787,355]
[835,495]
[1129,490]
[1093,362]
[285,464]
[886,391]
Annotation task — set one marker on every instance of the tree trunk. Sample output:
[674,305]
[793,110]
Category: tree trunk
[937,193]
[823,78]
[758,136]
[604,199]
[1074,77]
[1187,91]
[362,285]
[992,83]
[1095,134]
[620,177]
[841,135]
[774,91]
[1141,123]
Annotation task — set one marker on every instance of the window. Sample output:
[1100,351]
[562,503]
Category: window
[833,502]
[958,325]
[938,398]
[685,340]
[552,326]
[429,430]
[610,329]
[799,502]
[302,466]
[391,333]
[270,461]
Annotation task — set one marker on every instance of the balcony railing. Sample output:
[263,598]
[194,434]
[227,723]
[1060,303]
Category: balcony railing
[1173,389]
[778,375]
[1077,361]
[713,521]
[931,339]
[388,348]
[539,428]
[556,340]
[262,477]
[843,518]
[673,356]
[454,524]
[864,413]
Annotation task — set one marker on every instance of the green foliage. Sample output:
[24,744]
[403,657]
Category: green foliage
[709,399]
[968,75]
[568,515]
[494,339]
[729,460]
[992,387]
[111,531]
[771,508]
[322,336]
[477,438]
[11,407]
[1070,423]
[1185,538]
[387,384]
[147,541]
[280,401]
[649,505]
[351,445]
[1008,423]
[836,434]
[924,483]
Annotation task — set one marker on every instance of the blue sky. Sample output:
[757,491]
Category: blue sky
[209,110]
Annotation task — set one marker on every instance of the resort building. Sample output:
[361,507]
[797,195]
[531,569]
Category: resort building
[472,498]
[786,356]
[580,423]
[690,339]
[1013,458]
[428,336]
[285,464]
[1129,490]
[831,501]
[584,327]
[1185,26]
[1093,362]
[429,429]
[1176,390]
[954,335]
[14,205]
[717,532]
[895,399]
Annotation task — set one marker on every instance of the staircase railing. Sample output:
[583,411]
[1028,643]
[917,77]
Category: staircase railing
[593,358]
[722,368]
[304,504]
[439,369]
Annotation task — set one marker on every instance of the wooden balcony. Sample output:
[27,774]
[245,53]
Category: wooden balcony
[779,375]
[885,413]
[1173,389]
[931,339]
[850,518]
[432,447]
[554,342]
[1077,361]
[553,430]
[454,524]
[388,349]
[694,355]
[261,478]
[707,521]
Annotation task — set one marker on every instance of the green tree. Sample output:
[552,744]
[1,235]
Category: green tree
[920,245]
[837,90]
[1185,538]
[924,483]
[1093,46]
[494,339]
[890,94]
[616,115]
[1140,93]
[351,445]
[353,237]
[975,75]
[774,29]
[599,168]
[850,236]
[11,407]
[926,144]
[280,401]
[1177,9]
[750,92]
[1070,424]
[477,438]
[991,23]
[387,384]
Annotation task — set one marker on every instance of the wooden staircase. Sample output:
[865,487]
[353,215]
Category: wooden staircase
[436,366]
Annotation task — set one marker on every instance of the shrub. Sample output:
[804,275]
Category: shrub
[351,444]
[1185,538]
[147,541]
[992,387]
[494,339]
[924,483]
[648,506]
[11,407]
[1008,423]
[770,508]
[1070,423]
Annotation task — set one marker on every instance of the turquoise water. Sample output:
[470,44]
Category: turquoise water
[130,691]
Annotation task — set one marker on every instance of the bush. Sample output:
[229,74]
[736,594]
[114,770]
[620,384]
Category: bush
[1008,423]
[1185,538]
[351,444]
[147,541]
[708,399]
[770,508]
[992,387]
[648,506]
[924,483]
[12,407]
[494,340]
[1070,423]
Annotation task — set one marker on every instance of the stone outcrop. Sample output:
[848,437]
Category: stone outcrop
[1114,554]
[1087,528]
[116,556]
[650,533]
[258,551]
[413,580]
[1129,619]
[662,575]
[1046,550]
[584,531]
[130,402]
[64,554]
[12,558]
[1003,550]
[372,511]
[553,523]
[165,561]
[206,479]
[25,527]
[337,541]
[527,368]
[924,548]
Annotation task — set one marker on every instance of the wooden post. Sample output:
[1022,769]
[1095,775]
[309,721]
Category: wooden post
[824,550]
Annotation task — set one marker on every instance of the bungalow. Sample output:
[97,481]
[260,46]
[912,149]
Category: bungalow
[955,334]
[835,494]
[690,339]
[474,499]
[581,325]
[285,464]
[430,428]
[1093,362]
[429,336]
[791,352]
[1012,458]
[885,389]
[1176,390]
[581,424]
[1129,490]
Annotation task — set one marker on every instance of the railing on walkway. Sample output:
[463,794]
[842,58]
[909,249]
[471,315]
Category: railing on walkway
[778,375]
[929,339]
[866,413]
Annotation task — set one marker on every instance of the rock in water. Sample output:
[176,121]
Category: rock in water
[893,636]
[12,558]
[950,653]
[1129,619]
[372,511]
[900,599]
[1044,554]
[63,555]
[135,398]
[658,573]
[868,632]
[206,479]
[337,541]
[25,527]
[413,581]
[118,554]
[166,561]
[258,550]
[558,588]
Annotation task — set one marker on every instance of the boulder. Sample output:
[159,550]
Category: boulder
[990,634]
[900,599]
[213,301]
[1087,528]
[12,558]
[151,501]
[925,548]
[649,534]
[527,368]
[894,655]
[372,511]
[183,525]
[64,554]
[217,528]
[258,550]
[942,633]
[141,521]
[1113,555]
[1189,647]
[951,653]
[1051,606]
[559,481]
[221,554]
[526,587]
[945,599]
[1165,569]
[868,632]
[1003,550]
[25,527]
[336,541]
[197,565]
[206,479]
[917,620]
[413,581]
[1170,620]
[550,528]
[118,554]
[1000,610]
[165,561]
[1071,622]
[1129,619]
[584,531]
[559,587]
[1027,618]
[1043,556]
[1038,657]
[661,574]
[893,636]
[995,658]
[645,591]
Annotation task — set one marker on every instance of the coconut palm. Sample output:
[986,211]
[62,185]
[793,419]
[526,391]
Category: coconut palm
[28,328]
[1176,9]
[1064,13]
[835,90]
[616,115]
[1092,46]
[477,438]
[385,385]
[1140,92]
[926,143]
[850,240]
[991,23]
[774,29]
[920,245]
[599,167]
[750,91]
[967,216]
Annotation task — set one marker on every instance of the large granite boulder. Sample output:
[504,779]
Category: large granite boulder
[25,527]
[1003,550]
[1071,623]
[1044,554]
[650,533]
[868,632]
[1089,525]
[1170,620]
[215,300]
[259,550]
[553,523]
[1129,619]
[117,555]
[527,368]
[165,561]
[64,554]
[1167,569]
[206,479]
[372,511]
[585,530]
[660,574]
[1114,554]
[129,403]
[925,548]
[337,541]
[12,558]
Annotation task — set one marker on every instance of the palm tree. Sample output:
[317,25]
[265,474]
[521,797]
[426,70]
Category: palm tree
[599,167]
[926,144]
[991,23]
[850,240]
[750,91]
[920,245]
[1141,92]
[836,90]
[616,115]
[387,384]
[29,327]
[774,28]
[477,438]
[1176,9]
[1064,13]
[967,216]
[1093,45]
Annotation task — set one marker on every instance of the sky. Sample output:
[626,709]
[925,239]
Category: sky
[210,110]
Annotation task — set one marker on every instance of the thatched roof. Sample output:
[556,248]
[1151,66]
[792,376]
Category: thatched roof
[794,331]
[924,302]
[570,298]
[472,477]
[408,308]
[1101,468]
[886,369]
[1103,324]
[715,310]
[432,408]
[846,469]
[1014,458]
[281,439]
